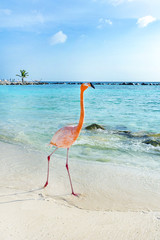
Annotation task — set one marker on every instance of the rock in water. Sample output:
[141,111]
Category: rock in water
[154,135]
[125,133]
[154,143]
[94,126]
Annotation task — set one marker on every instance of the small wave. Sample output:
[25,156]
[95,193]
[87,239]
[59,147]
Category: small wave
[110,145]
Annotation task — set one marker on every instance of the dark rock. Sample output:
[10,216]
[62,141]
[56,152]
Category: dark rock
[154,143]
[130,83]
[144,84]
[124,83]
[125,133]
[94,126]
[129,134]
[157,135]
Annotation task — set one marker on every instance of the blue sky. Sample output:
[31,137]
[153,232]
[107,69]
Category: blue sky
[91,40]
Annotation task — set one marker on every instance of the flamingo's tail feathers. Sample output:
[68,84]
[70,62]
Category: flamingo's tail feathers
[51,144]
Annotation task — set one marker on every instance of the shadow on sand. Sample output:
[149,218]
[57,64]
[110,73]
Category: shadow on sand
[32,198]
[20,193]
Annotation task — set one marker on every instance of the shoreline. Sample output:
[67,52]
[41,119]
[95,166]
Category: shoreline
[102,186]
[15,83]
[106,208]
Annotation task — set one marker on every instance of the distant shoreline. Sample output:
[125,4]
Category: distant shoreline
[7,82]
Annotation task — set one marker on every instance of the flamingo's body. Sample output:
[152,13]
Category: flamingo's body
[66,136]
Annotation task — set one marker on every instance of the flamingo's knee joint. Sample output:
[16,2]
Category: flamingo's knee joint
[67,166]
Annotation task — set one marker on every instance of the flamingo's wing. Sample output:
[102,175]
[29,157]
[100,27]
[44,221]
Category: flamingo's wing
[64,137]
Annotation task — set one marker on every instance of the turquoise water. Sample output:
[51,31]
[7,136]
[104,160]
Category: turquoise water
[30,115]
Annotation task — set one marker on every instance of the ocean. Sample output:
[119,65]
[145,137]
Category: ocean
[30,115]
[113,169]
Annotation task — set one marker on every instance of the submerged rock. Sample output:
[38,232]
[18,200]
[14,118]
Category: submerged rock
[135,135]
[125,133]
[154,135]
[94,126]
[154,143]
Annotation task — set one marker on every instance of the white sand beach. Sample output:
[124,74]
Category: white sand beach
[116,204]
[49,219]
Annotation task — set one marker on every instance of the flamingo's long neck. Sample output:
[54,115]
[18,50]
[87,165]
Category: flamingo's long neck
[81,119]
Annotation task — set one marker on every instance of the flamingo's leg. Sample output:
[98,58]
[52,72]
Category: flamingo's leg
[69,175]
[48,167]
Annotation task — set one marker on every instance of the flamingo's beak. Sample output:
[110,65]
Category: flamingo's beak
[92,85]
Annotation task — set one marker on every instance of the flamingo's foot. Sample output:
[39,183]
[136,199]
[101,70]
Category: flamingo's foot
[45,184]
[75,194]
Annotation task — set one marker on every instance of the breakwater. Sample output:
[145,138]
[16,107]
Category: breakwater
[36,82]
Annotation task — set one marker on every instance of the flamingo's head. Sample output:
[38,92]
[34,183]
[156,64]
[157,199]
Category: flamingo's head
[84,86]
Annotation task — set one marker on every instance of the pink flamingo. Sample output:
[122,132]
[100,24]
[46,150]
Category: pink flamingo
[66,136]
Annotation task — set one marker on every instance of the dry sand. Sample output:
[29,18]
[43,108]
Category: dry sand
[121,210]
[45,218]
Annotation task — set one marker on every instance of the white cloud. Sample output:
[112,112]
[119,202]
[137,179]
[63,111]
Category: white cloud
[153,5]
[114,2]
[11,19]
[5,11]
[118,2]
[103,22]
[37,17]
[108,21]
[144,21]
[59,37]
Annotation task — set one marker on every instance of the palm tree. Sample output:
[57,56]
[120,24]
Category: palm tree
[23,75]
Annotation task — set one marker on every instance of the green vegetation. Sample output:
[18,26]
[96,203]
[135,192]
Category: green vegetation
[23,75]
